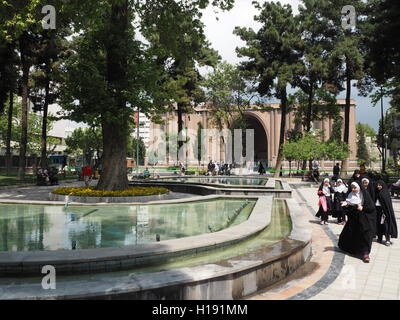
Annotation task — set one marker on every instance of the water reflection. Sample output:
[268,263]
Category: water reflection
[37,227]
[221,180]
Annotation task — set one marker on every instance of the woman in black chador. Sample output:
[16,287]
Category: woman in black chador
[261,169]
[340,196]
[369,186]
[325,193]
[386,220]
[357,234]
[356,177]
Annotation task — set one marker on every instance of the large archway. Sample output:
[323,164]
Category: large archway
[250,121]
[260,139]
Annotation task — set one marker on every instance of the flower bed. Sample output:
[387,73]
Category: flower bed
[92,192]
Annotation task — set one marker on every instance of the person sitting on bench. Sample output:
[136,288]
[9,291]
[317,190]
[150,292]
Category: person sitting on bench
[395,187]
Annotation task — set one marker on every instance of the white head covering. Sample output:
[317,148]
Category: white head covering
[364,179]
[341,188]
[326,189]
[355,199]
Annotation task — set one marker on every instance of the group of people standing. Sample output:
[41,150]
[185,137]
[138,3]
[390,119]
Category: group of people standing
[218,168]
[366,203]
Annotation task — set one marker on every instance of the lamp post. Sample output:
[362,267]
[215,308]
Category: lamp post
[383,134]
[137,142]
[386,148]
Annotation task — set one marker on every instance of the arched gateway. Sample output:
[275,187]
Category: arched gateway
[266,126]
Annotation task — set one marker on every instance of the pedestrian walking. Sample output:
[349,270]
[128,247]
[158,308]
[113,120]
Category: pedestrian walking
[357,234]
[87,175]
[386,219]
[325,193]
[340,195]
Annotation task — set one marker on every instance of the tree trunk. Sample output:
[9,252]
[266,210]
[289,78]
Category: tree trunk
[309,110]
[282,133]
[115,130]
[24,117]
[114,174]
[8,137]
[180,110]
[43,156]
[346,138]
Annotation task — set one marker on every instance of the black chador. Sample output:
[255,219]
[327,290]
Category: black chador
[326,191]
[386,220]
[357,234]
[370,188]
[356,177]
[340,196]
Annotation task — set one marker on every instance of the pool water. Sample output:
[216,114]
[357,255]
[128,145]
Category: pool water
[279,228]
[41,227]
[221,180]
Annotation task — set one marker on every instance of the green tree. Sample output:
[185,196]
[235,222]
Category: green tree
[362,151]
[230,90]
[199,143]
[132,147]
[322,105]
[273,55]
[336,150]
[337,129]
[388,135]
[86,142]
[310,147]
[111,73]
[314,77]
[34,131]
[305,149]
[381,41]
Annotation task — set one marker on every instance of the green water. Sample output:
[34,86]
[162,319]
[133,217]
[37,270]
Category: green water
[279,228]
[40,227]
[221,180]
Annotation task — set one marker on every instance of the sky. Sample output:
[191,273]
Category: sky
[220,34]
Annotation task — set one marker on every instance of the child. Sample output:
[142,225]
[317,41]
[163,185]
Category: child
[325,192]
[340,196]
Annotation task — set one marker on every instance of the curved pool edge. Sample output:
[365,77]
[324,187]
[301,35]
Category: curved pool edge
[233,278]
[118,258]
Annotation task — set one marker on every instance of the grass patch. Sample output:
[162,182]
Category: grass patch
[13,180]
[93,192]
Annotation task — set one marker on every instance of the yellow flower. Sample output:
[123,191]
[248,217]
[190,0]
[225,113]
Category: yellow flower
[92,192]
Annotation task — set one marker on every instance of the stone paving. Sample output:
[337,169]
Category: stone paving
[338,276]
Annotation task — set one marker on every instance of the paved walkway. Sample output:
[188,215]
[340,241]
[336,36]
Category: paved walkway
[333,275]
[37,193]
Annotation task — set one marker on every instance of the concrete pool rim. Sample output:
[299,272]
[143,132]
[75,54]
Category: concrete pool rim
[242,277]
[115,258]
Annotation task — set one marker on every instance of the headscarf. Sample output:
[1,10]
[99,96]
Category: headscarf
[327,189]
[341,188]
[355,199]
[365,179]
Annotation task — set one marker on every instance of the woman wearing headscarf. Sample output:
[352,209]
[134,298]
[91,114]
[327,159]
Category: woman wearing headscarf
[325,193]
[357,234]
[369,186]
[386,220]
[355,178]
[340,196]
